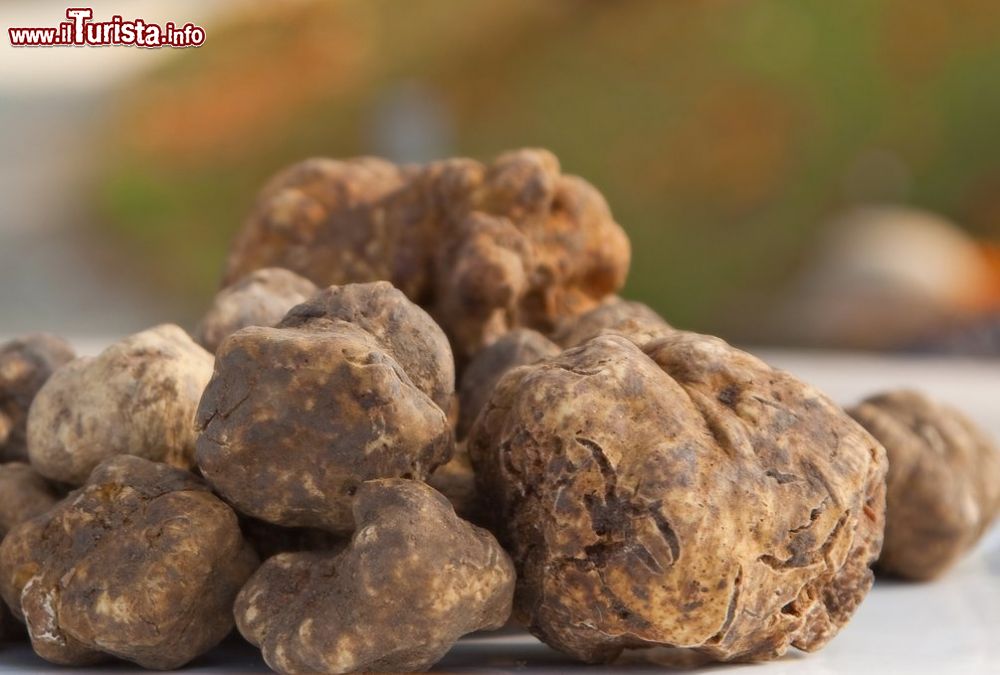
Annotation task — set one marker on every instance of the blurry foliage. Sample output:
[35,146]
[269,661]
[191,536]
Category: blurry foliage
[721,132]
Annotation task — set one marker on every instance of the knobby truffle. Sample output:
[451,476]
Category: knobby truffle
[261,298]
[296,417]
[943,483]
[25,365]
[484,248]
[687,496]
[142,563]
[414,579]
[137,397]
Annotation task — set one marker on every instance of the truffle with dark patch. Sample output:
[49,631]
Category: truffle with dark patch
[686,496]
[297,417]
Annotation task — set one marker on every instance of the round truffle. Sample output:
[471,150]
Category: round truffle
[943,485]
[142,563]
[137,397]
[484,248]
[262,298]
[687,496]
[615,316]
[519,347]
[25,365]
[414,579]
[295,419]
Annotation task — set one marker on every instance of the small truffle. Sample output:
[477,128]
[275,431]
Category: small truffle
[296,417]
[615,316]
[688,496]
[943,485]
[138,397]
[23,495]
[403,329]
[484,248]
[261,298]
[519,347]
[142,563]
[25,365]
[414,579]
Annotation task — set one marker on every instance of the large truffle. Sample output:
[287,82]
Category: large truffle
[485,248]
[25,365]
[261,298]
[413,580]
[687,496]
[142,563]
[296,417]
[138,397]
[617,316]
[943,485]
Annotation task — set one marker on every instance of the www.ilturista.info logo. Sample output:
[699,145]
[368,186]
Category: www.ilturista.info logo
[81,31]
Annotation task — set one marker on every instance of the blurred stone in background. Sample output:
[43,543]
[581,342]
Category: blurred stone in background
[885,277]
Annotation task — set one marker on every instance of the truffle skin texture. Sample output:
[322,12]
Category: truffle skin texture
[24,494]
[519,347]
[943,485]
[294,420]
[414,579]
[25,364]
[137,397]
[484,248]
[615,316]
[262,298]
[687,496]
[407,332]
[142,563]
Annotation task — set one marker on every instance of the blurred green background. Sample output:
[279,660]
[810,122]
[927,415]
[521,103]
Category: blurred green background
[723,134]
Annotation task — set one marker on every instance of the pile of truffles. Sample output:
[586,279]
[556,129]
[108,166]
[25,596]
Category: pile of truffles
[419,409]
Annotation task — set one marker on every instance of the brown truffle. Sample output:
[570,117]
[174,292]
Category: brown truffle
[137,397]
[615,316]
[414,579]
[687,496]
[24,494]
[403,329]
[485,248]
[142,563]
[296,417]
[25,364]
[261,298]
[943,485]
[519,347]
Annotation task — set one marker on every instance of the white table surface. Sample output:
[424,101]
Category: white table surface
[948,626]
